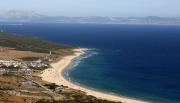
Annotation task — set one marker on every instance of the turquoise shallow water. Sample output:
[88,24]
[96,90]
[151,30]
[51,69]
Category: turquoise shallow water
[137,61]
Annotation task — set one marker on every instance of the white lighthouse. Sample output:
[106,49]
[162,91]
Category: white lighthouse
[50,53]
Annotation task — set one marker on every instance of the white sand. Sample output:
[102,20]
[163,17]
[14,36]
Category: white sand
[55,75]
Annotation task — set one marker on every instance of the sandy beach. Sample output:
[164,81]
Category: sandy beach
[55,75]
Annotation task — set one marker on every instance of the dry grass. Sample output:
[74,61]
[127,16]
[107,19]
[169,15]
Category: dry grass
[10,80]
[10,54]
[6,98]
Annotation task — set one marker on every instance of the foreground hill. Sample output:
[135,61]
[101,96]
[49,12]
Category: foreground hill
[19,73]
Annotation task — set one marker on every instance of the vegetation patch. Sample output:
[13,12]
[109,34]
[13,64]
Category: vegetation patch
[28,43]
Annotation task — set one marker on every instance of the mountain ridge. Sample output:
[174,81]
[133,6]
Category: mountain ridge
[30,16]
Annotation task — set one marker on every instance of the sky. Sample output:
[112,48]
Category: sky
[114,8]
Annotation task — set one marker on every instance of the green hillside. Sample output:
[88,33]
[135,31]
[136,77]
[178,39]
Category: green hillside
[29,43]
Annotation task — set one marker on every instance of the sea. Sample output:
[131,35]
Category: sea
[135,61]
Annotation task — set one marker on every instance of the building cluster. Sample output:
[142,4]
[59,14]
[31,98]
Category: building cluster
[37,64]
[10,63]
[23,65]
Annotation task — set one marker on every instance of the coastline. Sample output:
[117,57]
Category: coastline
[55,75]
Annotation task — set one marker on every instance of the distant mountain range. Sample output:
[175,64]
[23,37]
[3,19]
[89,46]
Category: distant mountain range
[29,16]
[21,16]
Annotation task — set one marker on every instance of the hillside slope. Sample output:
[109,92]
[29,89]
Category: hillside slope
[28,43]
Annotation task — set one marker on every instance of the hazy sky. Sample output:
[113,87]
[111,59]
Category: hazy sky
[123,8]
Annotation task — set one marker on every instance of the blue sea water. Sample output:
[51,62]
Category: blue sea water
[137,61]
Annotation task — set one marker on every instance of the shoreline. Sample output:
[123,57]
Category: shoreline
[56,75]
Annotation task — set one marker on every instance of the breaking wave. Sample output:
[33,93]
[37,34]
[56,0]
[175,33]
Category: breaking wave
[88,54]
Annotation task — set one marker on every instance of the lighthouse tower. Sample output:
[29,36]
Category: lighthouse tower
[50,53]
